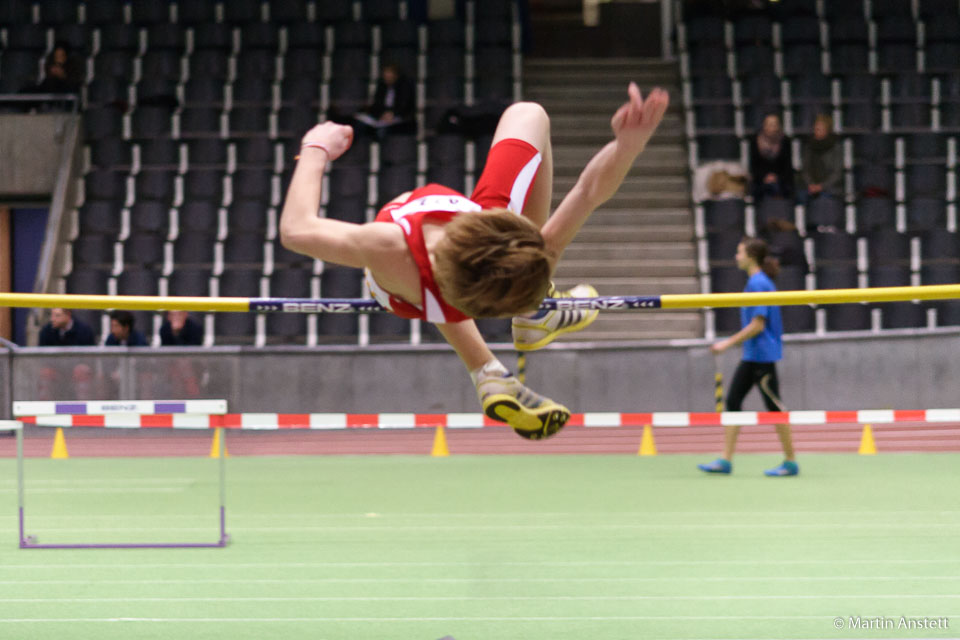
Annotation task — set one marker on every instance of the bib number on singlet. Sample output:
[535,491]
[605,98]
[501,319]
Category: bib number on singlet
[435,203]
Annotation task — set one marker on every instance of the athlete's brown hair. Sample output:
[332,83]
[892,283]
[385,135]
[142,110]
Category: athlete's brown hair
[492,264]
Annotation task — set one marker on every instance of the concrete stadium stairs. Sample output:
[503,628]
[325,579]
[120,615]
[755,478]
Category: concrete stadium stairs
[641,242]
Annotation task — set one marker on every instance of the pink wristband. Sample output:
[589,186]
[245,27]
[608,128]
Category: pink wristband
[317,145]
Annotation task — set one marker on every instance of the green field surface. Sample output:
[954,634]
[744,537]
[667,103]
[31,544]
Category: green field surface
[486,547]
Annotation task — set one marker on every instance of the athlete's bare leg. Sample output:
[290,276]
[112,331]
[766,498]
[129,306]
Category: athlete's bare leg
[730,433]
[786,439]
[529,122]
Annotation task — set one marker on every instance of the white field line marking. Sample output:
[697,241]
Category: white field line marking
[540,580]
[162,518]
[446,619]
[106,479]
[467,598]
[645,515]
[942,528]
[249,523]
[120,529]
[583,563]
[121,620]
[100,490]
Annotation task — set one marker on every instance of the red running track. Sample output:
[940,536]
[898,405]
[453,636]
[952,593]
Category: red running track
[835,438]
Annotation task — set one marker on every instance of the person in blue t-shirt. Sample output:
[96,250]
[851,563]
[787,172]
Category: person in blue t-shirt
[762,340]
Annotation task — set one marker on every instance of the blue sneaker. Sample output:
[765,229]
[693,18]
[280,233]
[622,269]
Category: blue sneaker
[788,468]
[719,465]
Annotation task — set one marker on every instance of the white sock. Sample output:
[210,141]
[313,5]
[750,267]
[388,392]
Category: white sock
[492,369]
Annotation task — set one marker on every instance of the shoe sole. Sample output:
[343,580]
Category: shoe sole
[721,472]
[553,335]
[529,423]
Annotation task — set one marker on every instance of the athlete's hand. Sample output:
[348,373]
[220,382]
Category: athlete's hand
[336,138]
[634,123]
[719,347]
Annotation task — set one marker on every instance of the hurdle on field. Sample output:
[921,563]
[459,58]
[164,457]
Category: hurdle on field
[121,414]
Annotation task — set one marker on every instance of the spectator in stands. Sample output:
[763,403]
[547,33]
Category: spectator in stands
[63,72]
[122,333]
[725,8]
[771,166]
[64,331]
[184,374]
[785,243]
[822,162]
[180,330]
[393,106]
[472,121]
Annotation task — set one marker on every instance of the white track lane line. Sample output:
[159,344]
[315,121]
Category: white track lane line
[445,619]
[466,598]
[562,579]
[546,563]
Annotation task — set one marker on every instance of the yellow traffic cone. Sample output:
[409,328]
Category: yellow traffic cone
[439,443]
[59,446]
[867,446]
[647,445]
[215,447]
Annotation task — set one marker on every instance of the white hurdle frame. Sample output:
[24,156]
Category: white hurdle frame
[126,414]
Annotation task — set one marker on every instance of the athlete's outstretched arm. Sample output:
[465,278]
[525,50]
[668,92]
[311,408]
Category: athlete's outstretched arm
[633,124]
[301,230]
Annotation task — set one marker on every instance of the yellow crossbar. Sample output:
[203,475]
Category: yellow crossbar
[670,301]
[818,296]
[130,303]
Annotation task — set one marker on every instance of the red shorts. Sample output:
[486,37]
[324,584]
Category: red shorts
[508,176]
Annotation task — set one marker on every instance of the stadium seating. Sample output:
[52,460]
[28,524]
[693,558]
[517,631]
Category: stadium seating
[889,74]
[192,113]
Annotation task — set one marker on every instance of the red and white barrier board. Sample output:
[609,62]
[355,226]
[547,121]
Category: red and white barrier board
[321,421]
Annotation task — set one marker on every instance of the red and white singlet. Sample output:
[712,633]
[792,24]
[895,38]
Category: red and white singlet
[505,183]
